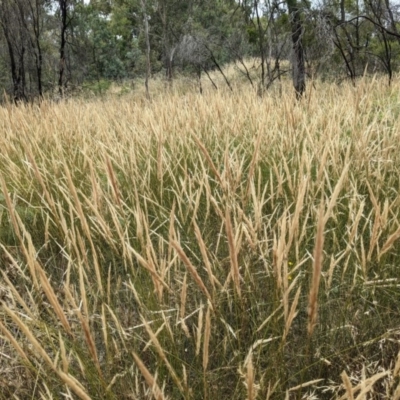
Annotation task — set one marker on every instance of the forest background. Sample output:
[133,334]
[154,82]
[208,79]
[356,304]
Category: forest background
[61,47]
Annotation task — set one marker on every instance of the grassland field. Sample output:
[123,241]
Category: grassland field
[215,246]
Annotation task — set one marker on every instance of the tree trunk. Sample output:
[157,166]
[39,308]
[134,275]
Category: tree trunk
[299,71]
[32,26]
[146,33]
[63,11]
[168,49]
[17,68]
[392,19]
[262,47]
[342,11]
[38,54]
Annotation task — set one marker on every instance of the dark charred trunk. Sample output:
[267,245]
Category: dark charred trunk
[38,53]
[64,25]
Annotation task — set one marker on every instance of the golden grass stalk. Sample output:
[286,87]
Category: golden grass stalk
[83,291]
[232,252]
[203,250]
[74,385]
[151,261]
[304,385]
[271,390]
[276,263]
[396,373]
[48,395]
[226,174]
[30,336]
[265,322]
[183,306]
[374,234]
[206,339]
[119,329]
[17,296]
[292,313]
[167,324]
[149,267]
[97,269]
[150,380]
[396,370]
[160,160]
[95,203]
[396,394]
[299,207]
[336,193]
[117,224]
[209,160]
[64,358]
[39,177]
[250,378]
[104,328]
[113,180]
[86,330]
[199,329]
[51,296]
[161,353]
[15,344]
[30,255]
[390,241]
[356,223]
[377,222]
[10,208]
[158,331]
[190,268]
[90,341]
[78,205]
[316,276]
[364,387]
[348,387]
[280,262]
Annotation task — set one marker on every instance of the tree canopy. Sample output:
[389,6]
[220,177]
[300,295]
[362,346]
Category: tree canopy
[59,46]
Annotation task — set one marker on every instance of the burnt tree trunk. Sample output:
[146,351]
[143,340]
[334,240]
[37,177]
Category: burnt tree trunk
[64,26]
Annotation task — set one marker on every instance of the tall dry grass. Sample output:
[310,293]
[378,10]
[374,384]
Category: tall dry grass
[218,246]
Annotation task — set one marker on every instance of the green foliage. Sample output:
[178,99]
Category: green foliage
[97,87]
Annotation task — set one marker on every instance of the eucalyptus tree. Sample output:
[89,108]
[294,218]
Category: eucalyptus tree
[33,16]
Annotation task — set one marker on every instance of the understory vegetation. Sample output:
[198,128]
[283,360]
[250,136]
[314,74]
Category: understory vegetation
[215,246]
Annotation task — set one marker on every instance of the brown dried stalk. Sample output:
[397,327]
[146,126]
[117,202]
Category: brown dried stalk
[313,296]
[232,252]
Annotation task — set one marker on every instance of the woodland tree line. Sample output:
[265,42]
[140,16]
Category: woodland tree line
[56,47]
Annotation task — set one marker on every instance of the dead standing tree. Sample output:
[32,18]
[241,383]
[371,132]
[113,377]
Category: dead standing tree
[192,51]
[197,51]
